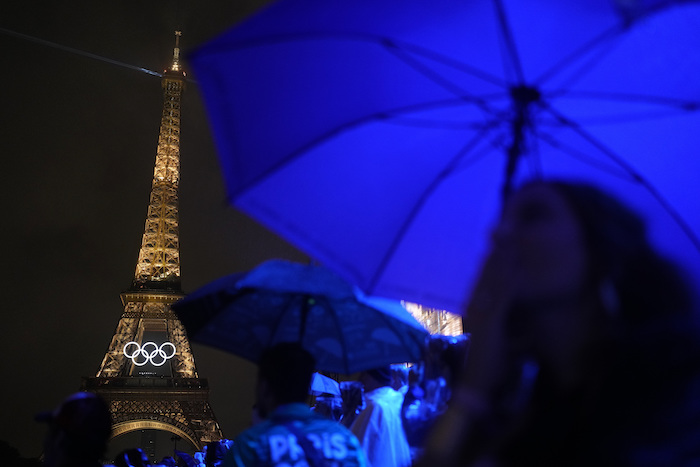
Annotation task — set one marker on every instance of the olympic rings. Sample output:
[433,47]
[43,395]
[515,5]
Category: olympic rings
[141,355]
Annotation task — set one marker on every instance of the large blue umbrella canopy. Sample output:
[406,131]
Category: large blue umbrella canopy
[282,301]
[380,136]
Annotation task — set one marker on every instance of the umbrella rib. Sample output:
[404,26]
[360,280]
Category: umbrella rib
[400,51]
[385,115]
[554,143]
[391,45]
[671,106]
[276,323]
[680,104]
[562,65]
[507,32]
[426,123]
[498,142]
[341,337]
[448,169]
[636,176]
[623,118]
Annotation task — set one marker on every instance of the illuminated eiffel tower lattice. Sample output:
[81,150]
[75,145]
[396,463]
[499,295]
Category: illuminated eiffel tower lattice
[148,375]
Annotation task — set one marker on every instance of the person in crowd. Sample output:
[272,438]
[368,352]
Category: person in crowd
[78,431]
[378,426]
[352,394]
[431,388]
[399,377]
[184,459]
[215,451]
[329,406]
[584,347]
[133,457]
[291,434]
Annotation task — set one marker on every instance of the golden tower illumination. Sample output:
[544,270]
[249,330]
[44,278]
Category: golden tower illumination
[148,375]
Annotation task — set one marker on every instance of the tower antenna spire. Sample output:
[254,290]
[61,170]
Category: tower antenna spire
[176,52]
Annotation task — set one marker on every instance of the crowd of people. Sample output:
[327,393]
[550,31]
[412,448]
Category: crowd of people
[582,349]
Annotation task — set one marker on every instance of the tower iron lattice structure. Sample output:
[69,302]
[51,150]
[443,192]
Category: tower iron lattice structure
[148,375]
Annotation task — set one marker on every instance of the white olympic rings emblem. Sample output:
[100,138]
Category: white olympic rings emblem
[140,355]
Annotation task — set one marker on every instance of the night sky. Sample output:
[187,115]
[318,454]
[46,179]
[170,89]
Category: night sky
[78,145]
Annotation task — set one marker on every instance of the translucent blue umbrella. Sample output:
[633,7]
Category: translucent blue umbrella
[322,384]
[282,301]
[379,136]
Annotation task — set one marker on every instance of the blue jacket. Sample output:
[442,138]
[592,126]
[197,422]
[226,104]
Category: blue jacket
[274,442]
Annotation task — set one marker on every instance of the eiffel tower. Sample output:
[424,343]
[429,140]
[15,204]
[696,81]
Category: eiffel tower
[148,375]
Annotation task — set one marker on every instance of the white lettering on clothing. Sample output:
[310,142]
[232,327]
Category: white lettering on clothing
[295,451]
[285,450]
[321,443]
[285,446]
[340,450]
[278,446]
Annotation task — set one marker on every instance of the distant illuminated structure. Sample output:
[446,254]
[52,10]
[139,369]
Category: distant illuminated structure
[148,375]
[436,321]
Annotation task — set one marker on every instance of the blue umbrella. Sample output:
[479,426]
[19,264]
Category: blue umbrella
[281,301]
[379,136]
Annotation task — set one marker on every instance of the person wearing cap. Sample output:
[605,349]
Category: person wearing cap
[378,426]
[78,432]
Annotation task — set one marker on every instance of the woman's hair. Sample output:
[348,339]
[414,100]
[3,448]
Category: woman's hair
[641,283]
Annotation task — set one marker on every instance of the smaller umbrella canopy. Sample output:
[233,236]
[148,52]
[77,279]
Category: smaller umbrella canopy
[281,301]
[322,384]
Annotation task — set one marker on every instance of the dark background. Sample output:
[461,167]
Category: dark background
[78,145]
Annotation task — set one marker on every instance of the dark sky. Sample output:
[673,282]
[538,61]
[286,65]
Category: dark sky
[78,145]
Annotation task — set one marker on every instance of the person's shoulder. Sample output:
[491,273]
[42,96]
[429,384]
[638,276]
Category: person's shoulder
[248,447]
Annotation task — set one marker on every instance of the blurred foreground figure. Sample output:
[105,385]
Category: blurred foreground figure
[78,432]
[291,434]
[584,349]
